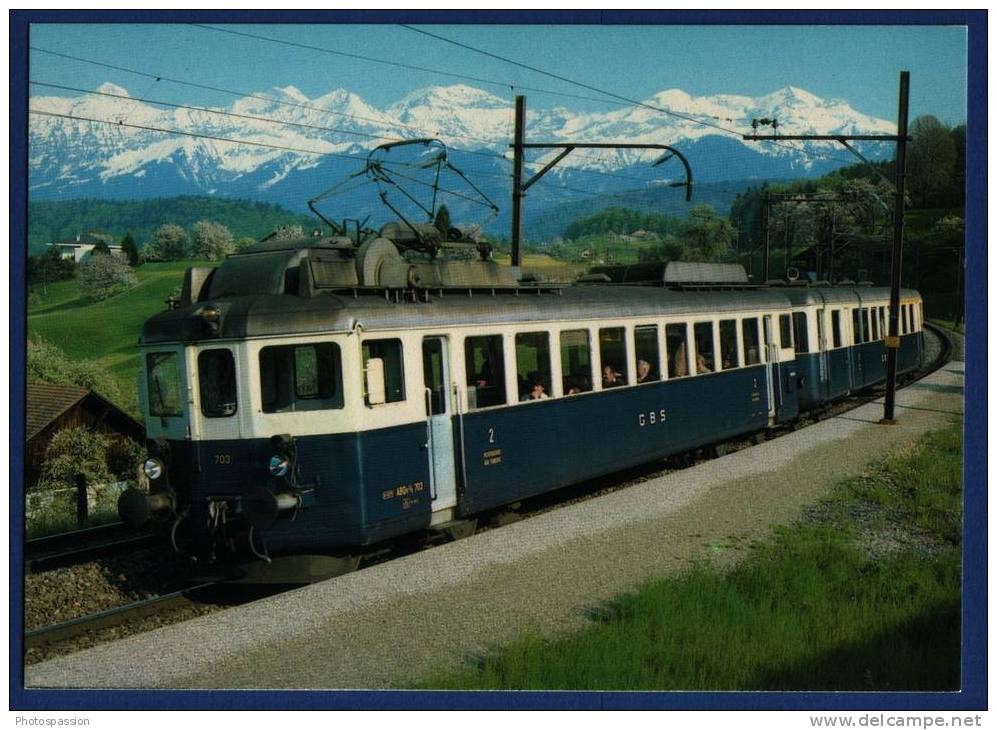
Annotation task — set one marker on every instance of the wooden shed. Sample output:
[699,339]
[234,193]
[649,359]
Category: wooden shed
[50,408]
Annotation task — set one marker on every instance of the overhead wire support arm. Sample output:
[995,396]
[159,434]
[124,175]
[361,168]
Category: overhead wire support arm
[568,147]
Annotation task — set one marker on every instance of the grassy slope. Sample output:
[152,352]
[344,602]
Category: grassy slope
[106,331]
[863,595]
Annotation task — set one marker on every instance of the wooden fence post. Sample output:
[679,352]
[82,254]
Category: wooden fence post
[82,505]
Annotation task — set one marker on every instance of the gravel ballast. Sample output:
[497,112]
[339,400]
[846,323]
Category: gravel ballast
[392,623]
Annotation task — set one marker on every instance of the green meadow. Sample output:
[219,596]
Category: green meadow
[105,331]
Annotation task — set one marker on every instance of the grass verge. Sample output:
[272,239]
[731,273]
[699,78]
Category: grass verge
[861,594]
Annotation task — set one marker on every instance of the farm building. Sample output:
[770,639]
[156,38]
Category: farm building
[80,248]
[50,408]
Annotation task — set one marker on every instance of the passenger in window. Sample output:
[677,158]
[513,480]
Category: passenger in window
[577,384]
[644,372]
[611,378]
[702,364]
[536,392]
[484,374]
[681,368]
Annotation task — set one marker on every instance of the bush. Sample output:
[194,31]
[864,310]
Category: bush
[103,276]
[73,451]
[48,364]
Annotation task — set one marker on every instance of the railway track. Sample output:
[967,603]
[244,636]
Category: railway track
[62,547]
[81,546]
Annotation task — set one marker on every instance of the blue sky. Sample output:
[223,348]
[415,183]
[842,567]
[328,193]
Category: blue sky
[859,64]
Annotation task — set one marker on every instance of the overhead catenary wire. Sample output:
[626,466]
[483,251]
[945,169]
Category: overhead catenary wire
[412,67]
[398,64]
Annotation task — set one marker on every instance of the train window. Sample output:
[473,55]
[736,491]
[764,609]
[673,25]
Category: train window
[216,379]
[882,322]
[390,351]
[752,345]
[874,316]
[703,335]
[613,356]
[675,343]
[785,331]
[904,326]
[533,365]
[485,364]
[576,362]
[800,335]
[728,344]
[857,325]
[646,351]
[165,397]
[301,378]
[836,328]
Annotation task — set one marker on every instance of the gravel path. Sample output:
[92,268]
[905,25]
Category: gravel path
[392,623]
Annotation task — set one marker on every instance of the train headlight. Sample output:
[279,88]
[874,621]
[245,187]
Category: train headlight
[279,465]
[211,314]
[153,468]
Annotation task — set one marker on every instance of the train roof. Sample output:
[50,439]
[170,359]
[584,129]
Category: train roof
[805,295]
[275,315]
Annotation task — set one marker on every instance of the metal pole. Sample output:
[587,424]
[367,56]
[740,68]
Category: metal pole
[893,339]
[765,228]
[517,181]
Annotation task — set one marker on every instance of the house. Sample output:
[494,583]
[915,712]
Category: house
[79,248]
[50,408]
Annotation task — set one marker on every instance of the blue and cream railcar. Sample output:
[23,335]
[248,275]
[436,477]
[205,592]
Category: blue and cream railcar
[328,417]
[840,338]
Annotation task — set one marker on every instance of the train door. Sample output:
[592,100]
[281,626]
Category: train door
[439,422]
[771,366]
[823,364]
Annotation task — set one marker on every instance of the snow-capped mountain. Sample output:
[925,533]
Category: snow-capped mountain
[112,149]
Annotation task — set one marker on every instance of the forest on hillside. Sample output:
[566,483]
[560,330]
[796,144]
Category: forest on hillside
[51,220]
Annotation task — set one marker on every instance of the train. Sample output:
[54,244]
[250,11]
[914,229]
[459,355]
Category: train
[327,395]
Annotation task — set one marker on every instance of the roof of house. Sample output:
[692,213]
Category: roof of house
[46,402]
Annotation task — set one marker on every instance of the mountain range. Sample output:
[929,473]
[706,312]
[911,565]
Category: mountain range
[322,141]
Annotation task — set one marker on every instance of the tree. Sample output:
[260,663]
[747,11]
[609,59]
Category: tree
[129,249]
[46,363]
[50,266]
[104,276]
[705,236]
[101,248]
[212,241]
[931,160]
[169,242]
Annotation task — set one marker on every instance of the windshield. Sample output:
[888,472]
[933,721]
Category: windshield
[165,388]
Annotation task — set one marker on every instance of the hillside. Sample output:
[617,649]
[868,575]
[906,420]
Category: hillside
[106,331]
[50,220]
